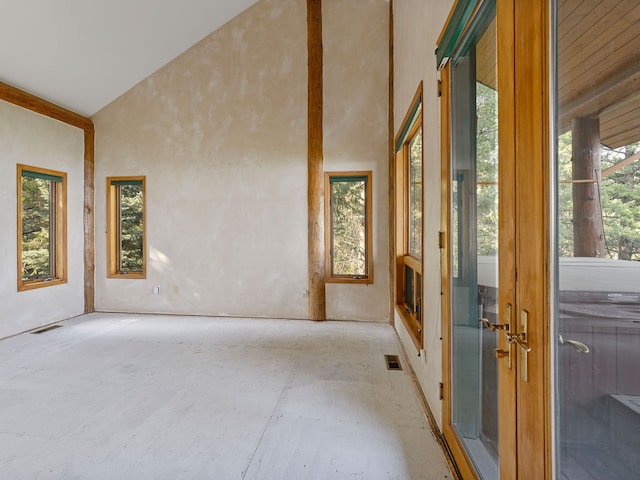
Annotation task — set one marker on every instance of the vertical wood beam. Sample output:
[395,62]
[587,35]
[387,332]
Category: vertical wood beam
[392,177]
[89,221]
[315,162]
[588,231]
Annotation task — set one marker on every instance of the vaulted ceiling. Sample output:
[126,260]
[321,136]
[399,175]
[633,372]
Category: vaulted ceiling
[83,54]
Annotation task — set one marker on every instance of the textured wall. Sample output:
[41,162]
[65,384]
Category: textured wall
[220,133]
[356,72]
[36,140]
[417,25]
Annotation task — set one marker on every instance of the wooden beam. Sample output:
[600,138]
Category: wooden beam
[35,104]
[392,178]
[315,163]
[622,164]
[588,232]
[89,222]
[611,92]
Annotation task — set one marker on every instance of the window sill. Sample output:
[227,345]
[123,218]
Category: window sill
[354,279]
[128,276]
[414,332]
[34,284]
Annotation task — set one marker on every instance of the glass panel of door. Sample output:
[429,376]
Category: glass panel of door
[597,294]
[474,240]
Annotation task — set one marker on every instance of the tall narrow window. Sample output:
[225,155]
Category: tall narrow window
[42,220]
[126,249]
[408,232]
[414,209]
[349,255]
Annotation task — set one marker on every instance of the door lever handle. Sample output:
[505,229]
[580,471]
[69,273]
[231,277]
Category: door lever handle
[579,346]
[494,326]
[519,339]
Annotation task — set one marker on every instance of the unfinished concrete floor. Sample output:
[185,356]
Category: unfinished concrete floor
[156,397]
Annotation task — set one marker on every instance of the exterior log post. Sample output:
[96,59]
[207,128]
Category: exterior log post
[588,231]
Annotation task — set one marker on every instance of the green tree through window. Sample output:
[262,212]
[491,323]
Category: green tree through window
[349,227]
[131,235]
[620,199]
[126,227]
[42,224]
[36,223]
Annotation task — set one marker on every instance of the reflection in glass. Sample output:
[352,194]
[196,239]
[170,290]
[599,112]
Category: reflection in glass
[474,241]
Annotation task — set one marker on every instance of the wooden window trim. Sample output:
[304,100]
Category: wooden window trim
[60,230]
[412,122]
[329,276]
[113,230]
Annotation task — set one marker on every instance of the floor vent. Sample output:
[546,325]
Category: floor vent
[393,363]
[45,329]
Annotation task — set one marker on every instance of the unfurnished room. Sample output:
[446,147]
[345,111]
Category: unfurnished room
[320,239]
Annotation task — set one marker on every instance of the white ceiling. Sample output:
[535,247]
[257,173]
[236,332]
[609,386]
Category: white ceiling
[83,54]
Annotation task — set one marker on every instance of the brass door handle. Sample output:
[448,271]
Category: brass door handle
[498,352]
[519,339]
[522,340]
[493,326]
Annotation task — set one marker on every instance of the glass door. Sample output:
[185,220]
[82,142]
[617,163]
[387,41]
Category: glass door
[474,278]
[495,83]
[597,292]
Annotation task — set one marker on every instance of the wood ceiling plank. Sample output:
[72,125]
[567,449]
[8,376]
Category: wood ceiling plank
[617,89]
[606,44]
[486,58]
[571,15]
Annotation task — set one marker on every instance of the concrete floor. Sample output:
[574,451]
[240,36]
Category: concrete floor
[155,397]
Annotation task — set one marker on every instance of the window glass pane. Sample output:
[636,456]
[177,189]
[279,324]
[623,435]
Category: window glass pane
[349,227]
[415,195]
[419,300]
[37,195]
[597,296]
[131,237]
[408,288]
[474,241]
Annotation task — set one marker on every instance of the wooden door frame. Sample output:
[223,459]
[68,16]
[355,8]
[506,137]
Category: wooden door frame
[463,462]
[525,246]
[533,145]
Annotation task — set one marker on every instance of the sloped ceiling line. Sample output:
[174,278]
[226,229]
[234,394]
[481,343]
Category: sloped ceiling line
[82,55]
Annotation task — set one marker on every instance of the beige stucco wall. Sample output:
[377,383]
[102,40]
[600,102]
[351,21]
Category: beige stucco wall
[36,140]
[356,72]
[417,25]
[221,135]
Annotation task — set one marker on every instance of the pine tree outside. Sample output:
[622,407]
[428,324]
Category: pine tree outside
[348,227]
[36,223]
